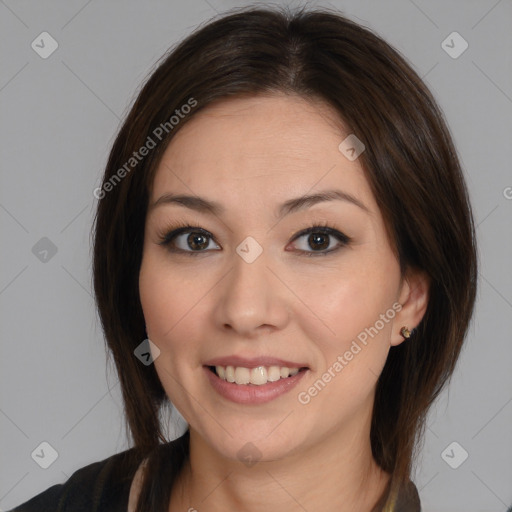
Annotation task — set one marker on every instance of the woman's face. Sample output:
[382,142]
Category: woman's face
[242,288]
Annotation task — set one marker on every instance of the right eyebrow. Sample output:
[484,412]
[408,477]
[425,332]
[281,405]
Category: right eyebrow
[192,202]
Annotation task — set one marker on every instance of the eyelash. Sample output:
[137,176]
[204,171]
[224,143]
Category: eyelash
[167,236]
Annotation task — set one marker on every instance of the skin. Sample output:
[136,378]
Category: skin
[251,155]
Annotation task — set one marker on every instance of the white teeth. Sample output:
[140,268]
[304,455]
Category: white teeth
[221,372]
[259,375]
[274,374]
[230,374]
[242,375]
[256,376]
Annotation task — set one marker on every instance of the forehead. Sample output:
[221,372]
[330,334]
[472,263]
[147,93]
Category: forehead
[259,149]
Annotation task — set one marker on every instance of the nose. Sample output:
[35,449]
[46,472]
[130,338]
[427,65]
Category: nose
[250,300]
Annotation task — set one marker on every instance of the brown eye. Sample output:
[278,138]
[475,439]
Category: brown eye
[188,240]
[321,240]
[318,241]
[197,241]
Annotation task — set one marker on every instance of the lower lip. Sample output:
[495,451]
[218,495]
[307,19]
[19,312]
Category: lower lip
[250,393]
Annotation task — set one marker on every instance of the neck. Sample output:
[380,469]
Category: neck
[337,474]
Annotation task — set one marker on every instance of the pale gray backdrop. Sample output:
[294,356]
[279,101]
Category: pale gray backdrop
[59,115]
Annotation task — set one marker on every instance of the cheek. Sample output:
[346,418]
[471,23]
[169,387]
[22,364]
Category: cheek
[171,303]
[167,296]
[165,303]
[352,343]
[354,303]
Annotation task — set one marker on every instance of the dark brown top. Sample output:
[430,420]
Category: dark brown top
[408,500]
[104,486]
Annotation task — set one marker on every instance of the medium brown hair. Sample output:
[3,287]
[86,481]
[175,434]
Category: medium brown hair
[410,163]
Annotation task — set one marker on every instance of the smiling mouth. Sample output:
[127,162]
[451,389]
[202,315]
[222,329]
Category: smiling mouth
[256,376]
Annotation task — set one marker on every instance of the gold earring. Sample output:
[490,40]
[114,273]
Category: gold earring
[405,332]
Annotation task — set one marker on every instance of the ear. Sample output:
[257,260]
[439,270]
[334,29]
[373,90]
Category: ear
[413,297]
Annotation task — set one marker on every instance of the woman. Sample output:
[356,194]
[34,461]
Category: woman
[284,250]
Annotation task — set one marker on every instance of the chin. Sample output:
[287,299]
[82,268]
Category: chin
[253,441]
[262,450]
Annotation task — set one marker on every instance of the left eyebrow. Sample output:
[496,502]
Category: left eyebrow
[306,201]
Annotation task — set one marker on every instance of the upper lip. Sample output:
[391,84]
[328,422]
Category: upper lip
[252,362]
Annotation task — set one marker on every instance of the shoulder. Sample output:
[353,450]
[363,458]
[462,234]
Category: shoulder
[408,499]
[100,486]
[136,486]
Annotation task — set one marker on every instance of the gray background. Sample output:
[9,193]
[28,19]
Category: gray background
[58,119]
